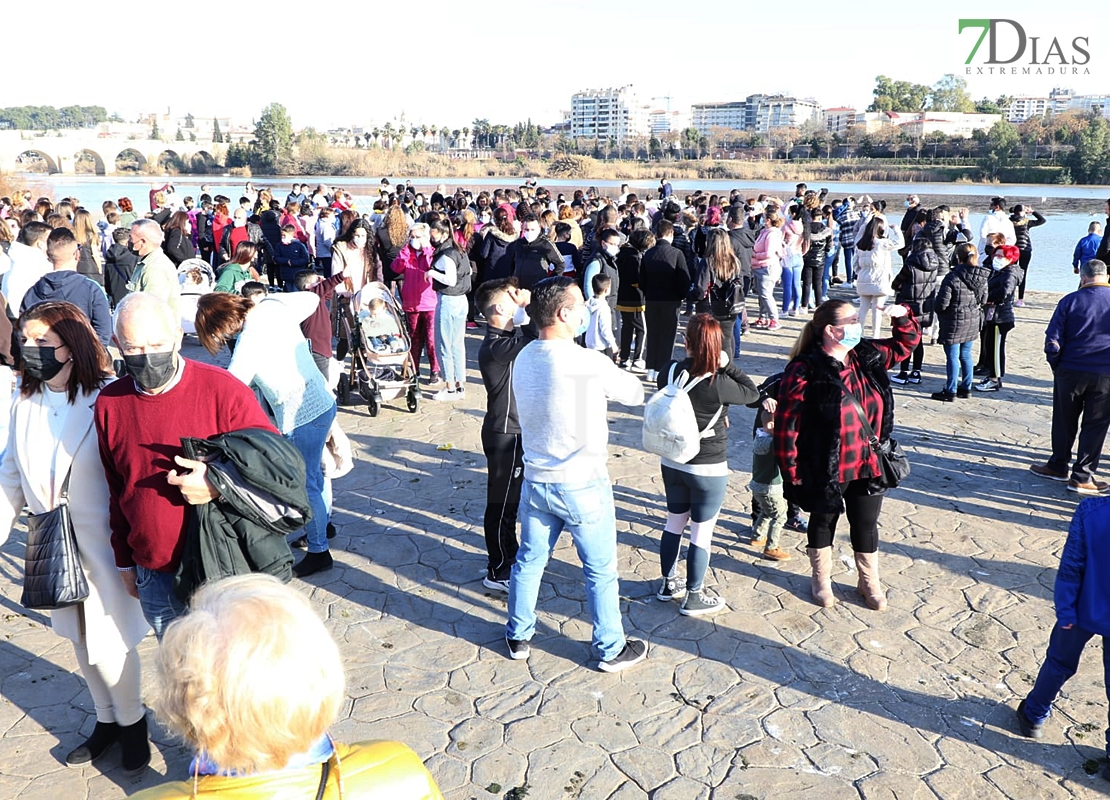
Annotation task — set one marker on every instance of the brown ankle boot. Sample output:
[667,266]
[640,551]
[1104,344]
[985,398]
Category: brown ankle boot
[820,560]
[867,565]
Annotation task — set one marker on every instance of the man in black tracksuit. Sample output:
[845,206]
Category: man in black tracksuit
[503,304]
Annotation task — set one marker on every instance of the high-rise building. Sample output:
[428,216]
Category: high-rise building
[608,114]
[1057,102]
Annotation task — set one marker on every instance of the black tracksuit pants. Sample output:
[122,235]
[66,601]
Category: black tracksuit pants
[505,467]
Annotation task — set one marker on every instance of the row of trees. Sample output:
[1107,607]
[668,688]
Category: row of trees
[45,118]
[948,94]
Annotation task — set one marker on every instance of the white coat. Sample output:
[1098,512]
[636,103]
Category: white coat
[874,273]
[113,620]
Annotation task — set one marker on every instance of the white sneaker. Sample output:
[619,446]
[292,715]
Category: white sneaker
[652,375]
[639,365]
[460,394]
[848,285]
[446,395]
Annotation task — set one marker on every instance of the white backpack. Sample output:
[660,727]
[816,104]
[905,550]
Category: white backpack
[670,427]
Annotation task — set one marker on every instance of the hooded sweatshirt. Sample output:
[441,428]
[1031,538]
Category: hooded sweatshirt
[75,288]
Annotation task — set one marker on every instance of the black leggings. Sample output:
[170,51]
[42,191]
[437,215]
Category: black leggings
[863,519]
[918,356]
[812,277]
[1023,262]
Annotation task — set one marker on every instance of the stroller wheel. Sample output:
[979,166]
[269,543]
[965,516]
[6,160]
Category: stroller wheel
[414,400]
[343,389]
[375,404]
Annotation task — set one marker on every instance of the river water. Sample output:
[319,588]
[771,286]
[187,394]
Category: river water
[1069,209]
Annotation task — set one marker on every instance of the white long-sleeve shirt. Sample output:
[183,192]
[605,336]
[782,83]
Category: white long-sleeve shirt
[996,222]
[561,391]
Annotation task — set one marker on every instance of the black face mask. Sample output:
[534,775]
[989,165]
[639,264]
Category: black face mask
[151,370]
[41,363]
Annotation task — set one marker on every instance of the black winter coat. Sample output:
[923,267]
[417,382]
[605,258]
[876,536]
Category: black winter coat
[1021,229]
[1001,288]
[629,295]
[178,246]
[664,274]
[934,232]
[119,263]
[820,237]
[959,298]
[491,254]
[533,261]
[743,242]
[261,479]
[919,282]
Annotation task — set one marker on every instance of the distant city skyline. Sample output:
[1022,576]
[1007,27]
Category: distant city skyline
[454,62]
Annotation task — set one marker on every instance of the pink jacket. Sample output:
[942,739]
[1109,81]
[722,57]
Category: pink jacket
[417,293]
[769,248]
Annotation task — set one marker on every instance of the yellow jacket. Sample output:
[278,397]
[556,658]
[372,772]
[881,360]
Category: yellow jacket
[360,771]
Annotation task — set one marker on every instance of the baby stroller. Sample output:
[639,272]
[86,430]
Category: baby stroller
[381,360]
[196,278]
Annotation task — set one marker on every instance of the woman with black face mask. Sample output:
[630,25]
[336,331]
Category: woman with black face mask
[52,439]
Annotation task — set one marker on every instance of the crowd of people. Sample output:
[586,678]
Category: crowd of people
[583,299]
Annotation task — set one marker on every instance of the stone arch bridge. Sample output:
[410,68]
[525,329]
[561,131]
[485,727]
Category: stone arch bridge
[61,154]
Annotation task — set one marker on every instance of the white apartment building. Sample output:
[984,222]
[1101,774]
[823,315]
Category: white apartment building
[1023,108]
[1098,103]
[661,121]
[838,120]
[759,113]
[733,116]
[608,114]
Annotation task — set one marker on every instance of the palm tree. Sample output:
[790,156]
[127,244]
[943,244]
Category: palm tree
[444,132]
[424,134]
[413,131]
[376,133]
[466,137]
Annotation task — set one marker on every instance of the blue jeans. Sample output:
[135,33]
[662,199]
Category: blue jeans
[586,510]
[791,282]
[736,338]
[1060,663]
[451,338]
[160,605]
[849,252]
[830,259]
[958,366]
[309,439]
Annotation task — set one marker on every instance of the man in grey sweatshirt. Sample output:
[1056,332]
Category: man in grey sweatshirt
[561,390]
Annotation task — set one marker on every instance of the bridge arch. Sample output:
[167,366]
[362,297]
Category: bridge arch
[169,159]
[52,167]
[87,155]
[130,160]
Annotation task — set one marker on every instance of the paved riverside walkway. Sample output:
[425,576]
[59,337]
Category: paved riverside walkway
[774,698]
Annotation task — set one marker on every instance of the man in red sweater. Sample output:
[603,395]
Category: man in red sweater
[140,421]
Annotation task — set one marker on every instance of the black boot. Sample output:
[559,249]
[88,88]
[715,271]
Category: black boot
[135,743]
[313,563]
[104,735]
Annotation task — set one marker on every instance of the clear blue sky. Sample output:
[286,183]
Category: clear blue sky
[449,62]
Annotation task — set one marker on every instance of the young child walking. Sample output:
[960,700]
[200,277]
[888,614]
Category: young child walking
[766,486]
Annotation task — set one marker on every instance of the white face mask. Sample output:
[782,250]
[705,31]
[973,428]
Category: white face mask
[239,223]
[531,236]
[1000,263]
[612,250]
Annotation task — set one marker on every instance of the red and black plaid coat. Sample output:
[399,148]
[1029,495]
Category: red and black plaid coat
[819,440]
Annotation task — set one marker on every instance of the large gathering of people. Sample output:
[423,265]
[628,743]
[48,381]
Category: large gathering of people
[578,299]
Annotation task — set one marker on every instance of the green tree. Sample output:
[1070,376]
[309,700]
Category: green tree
[950,94]
[1000,142]
[217,136]
[154,132]
[1089,160]
[690,139]
[179,136]
[273,140]
[891,95]
[189,120]
[655,147]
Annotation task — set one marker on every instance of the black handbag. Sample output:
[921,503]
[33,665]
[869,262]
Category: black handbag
[892,459]
[52,573]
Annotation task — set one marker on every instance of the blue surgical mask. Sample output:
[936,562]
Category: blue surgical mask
[853,335]
[906,203]
[1000,263]
[584,323]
